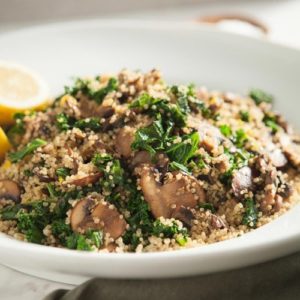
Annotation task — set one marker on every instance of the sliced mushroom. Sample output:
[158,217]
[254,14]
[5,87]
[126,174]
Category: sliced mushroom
[185,215]
[277,158]
[242,182]
[90,109]
[217,222]
[84,181]
[179,191]
[10,190]
[80,214]
[210,136]
[112,222]
[88,215]
[141,157]
[124,139]
[290,149]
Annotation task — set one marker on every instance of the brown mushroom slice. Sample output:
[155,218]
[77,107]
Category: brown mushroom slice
[10,190]
[85,215]
[180,191]
[217,222]
[80,214]
[242,182]
[277,158]
[141,157]
[110,220]
[124,139]
[290,149]
[90,109]
[84,181]
[185,215]
[210,136]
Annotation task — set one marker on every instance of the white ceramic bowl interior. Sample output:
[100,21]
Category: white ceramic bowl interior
[185,53]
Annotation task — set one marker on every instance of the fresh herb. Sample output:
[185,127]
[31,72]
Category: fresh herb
[30,148]
[10,212]
[183,151]
[174,166]
[85,242]
[154,106]
[170,231]
[240,138]
[113,173]
[18,128]
[270,121]
[183,95]
[226,130]
[32,220]
[152,138]
[250,216]
[244,116]
[207,206]
[90,123]
[64,122]
[85,87]
[28,173]
[63,172]
[237,160]
[260,96]
[203,108]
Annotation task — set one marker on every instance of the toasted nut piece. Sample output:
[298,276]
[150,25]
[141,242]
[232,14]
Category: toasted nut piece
[10,190]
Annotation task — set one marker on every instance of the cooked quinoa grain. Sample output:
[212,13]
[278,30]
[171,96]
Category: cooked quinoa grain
[127,163]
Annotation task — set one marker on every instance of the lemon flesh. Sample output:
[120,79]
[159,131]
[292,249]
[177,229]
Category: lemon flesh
[4,144]
[20,89]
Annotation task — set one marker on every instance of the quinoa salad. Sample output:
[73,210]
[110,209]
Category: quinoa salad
[128,163]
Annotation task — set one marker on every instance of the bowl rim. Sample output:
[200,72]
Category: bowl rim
[232,245]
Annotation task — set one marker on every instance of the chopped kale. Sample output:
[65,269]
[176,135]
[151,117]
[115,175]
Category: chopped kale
[207,206]
[63,172]
[84,86]
[10,212]
[63,122]
[250,216]
[154,106]
[226,130]
[260,96]
[174,166]
[111,168]
[240,138]
[170,231]
[237,160]
[185,150]
[183,95]
[270,121]
[30,148]
[152,138]
[244,116]
[90,123]
[18,128]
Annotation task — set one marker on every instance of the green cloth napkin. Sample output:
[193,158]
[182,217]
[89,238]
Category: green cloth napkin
[278,279]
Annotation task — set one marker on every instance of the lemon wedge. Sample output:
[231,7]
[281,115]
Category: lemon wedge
[4,144]
[20,89]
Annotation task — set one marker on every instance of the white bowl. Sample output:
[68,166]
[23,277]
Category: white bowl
[185,53]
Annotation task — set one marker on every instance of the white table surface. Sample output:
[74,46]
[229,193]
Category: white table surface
[282,17]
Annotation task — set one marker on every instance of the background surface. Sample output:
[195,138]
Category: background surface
[282,18]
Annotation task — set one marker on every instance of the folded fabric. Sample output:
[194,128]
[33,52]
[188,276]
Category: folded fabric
[275,280]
